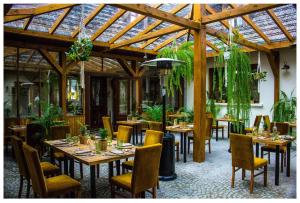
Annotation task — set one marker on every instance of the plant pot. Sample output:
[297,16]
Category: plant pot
[83,139]
[183,124]
[101,145]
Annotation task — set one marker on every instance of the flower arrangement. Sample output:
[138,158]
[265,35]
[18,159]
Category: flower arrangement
[80,50]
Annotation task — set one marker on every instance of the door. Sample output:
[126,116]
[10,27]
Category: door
[121,99]
[98,101]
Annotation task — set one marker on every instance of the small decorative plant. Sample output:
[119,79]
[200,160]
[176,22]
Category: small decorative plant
[80,50]
[103,133]
[83,128]
[101,144]
[259,76]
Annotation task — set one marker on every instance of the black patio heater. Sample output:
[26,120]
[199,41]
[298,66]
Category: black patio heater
[167,160]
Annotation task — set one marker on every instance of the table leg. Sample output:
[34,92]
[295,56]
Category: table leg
[133,136]
[184,146]
[277,166]
[257,149]
[141,137]
[228,133]
[136,135]
[118,166]
[217,131]
[181,143]
[52,155]
[71,168]
[66,165]
[288,159]
[110,170]
[93,181]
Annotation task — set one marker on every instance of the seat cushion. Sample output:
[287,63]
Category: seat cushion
[59,155]
[122,180]
[128,164]
[49,169]
[259,162]
[249,129]
[61,184]
[219,126]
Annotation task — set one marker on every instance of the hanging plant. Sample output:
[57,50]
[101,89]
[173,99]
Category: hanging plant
[259,76]
[80,50]
[185,53]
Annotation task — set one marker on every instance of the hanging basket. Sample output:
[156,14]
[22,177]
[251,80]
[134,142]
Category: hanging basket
[259,76]
[80,50]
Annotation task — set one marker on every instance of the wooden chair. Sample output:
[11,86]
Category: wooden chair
[256,124]
[35,135]
[243,158]
[124,133]
[220,127]
[267,122]
[50,187]
[47,168]
[157,126]
[207,131]
[283,129]
[107,125]
[144,175]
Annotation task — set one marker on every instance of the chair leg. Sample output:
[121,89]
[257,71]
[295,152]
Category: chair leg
[157,184]
[189,142]
[284,157]
[243,174]
[154,192]
[21,186]
[252,181]
[269,157]
[261,153]
[281,168]
[209,146]
[112,190]
[233,176]
[77,193]
[28,188]
[60,166]
[265,175]
[98,170]
[223,133]
[177,153]
[81,171]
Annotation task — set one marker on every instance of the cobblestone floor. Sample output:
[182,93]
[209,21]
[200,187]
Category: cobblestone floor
[210,179]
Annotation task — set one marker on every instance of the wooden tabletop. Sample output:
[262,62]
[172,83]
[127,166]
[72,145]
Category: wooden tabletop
[225,119]
[270,141]
[129,122]
[18,128]
[179,129]
[176,116]
[94,159]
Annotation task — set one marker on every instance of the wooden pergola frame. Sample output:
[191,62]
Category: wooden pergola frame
[123,52]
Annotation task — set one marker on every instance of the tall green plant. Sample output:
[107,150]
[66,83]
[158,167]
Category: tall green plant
[153,113]
[285,109]
[212,107]
[185,53]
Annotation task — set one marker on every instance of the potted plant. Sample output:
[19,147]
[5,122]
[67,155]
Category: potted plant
[285,109]
[83,135]
[153,113]
[102,142]
[135,116]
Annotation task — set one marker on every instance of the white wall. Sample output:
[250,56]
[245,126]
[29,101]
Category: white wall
[287,83]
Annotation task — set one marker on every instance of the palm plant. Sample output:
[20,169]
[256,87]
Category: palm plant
[185,53]
[153,113]
[285,109]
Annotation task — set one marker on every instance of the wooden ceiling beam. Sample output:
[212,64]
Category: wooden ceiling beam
[47,56]
[170,40]
[159,14]
[6,8]
[30,56]
[89,18]
[27,23]
[239,11]
[150,35]
[129,26]
[128,69]
[250,22]
[211,45]
[280,25]
[37,11]
[59,20]
[106,25]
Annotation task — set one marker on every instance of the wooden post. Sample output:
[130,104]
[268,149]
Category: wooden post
[138,94]
[199,85]
[274,61]
[18,85]
[63,83]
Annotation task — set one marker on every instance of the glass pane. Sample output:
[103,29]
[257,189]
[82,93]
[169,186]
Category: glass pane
[123,97]
[10,93]
[74,96]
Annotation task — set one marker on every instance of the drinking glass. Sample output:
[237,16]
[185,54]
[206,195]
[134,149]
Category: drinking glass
[68,137]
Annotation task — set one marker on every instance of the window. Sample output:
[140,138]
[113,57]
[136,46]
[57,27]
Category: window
[74,95]
[123,106]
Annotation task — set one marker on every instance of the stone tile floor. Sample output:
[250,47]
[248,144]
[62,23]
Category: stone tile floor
[210,179]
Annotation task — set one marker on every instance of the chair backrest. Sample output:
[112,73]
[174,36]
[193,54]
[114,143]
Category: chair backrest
[35,134]
[146,167]
[208,126]
[267,122]
[124,133]
[35,170]
[107,125]
[241,151]
[257,121]
[282,127]
[59,131]
[153,125]
[17,145]
[153,137]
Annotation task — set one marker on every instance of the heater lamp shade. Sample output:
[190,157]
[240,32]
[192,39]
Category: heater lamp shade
[163,63]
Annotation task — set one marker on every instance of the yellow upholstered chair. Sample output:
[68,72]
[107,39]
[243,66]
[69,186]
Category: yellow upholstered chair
[214,127]
[243,158]
[124,133]
[107,125]
[283,129]
[145,172]
[48,187]
[256,124]
[153,125]
[48,168]
[152,137]
[267,122]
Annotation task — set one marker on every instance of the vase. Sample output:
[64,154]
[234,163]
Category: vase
[101,145]
[83,139]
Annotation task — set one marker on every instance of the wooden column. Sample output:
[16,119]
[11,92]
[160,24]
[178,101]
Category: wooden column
[18,85]
[199,85]
[138,94]
[63,83]
[274,61]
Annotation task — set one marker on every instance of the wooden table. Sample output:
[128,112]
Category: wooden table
[228,120]
[183,134]
[291,126]
[174,116]
[91,161]
[18,130]
[268,141]
[134,125]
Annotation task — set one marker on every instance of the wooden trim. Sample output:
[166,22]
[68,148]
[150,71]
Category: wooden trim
[34,12]
[170,40]
[51,60]
[27,23]
[159,14]
[280,25]
[108,24]
[129,26]
[30,56]
[126,67]
[6,8]
[154,34]
[88,19]
[59,20]
[242,10]
[214,47]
